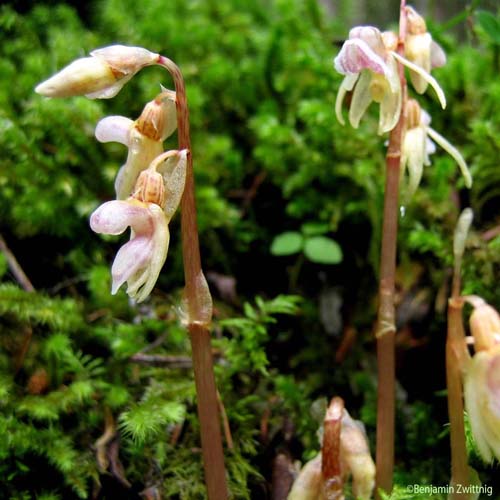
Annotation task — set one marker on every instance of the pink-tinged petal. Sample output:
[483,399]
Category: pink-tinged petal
[124,59]
[113,217]
[438,55]
[371,36]
[430,149]
[346,86]
[161,239]
[425,118]
[361,98]
[357,55]
[114,129]
[133,256]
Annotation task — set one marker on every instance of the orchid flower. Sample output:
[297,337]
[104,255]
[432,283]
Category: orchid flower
[421,49]
[369,61]
[143,137]
[482,380]
[148,212]
[417,146]
[102,75]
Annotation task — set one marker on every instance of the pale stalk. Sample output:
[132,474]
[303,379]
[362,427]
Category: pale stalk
[456,357]
[195,299]
[386,325]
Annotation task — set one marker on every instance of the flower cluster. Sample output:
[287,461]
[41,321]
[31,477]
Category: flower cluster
[149,186]
[369,60]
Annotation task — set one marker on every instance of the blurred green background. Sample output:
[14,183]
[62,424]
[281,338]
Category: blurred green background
[289,206]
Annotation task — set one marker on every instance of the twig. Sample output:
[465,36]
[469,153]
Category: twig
[15,267]
[198,305]
[101,444]
[24,348]
[225,423]
[385,330]
[162,360]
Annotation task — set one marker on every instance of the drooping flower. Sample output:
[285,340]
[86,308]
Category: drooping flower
[147,212]
[102,75]
[368,59]
[139,261]
[482,380]
[417,146]
[421,49]
[373,75]
[144,138]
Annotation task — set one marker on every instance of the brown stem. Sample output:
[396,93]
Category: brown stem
[198,308]
[15,268]
[211,440]
[386,327]
[456,353]
[330,453]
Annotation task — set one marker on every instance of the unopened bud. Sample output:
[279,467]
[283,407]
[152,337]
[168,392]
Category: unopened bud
[102,75]
[150,188]
[158,119]
[484,325]
[413,114]
[416,23]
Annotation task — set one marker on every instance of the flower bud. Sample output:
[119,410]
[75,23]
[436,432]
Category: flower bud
[150,188]
[415,22]
[102,75]
[413,114]
[158,119]
[485,326]
[421,49]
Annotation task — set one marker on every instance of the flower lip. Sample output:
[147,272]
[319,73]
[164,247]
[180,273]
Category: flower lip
[140,260]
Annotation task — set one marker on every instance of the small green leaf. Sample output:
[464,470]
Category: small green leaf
[287,243]
[490,24]
[314,228]
[323,250]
